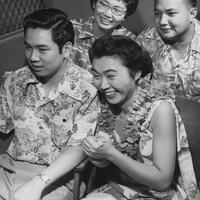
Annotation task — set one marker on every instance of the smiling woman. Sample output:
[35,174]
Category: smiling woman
[140,136]
[107,19]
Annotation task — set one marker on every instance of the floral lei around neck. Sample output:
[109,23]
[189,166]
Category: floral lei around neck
[148,91]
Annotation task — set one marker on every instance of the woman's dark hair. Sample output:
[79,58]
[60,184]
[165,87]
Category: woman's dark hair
[127,50]
[51,19]
[131,6]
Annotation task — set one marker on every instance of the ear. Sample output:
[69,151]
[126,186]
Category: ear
[66,50]
[193,12]
[138,75]
[93,4]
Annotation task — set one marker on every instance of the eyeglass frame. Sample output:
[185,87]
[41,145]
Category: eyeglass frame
[107,6]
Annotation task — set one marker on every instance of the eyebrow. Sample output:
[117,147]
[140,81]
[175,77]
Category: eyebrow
[39,45]
[169,9]
[115,6]
[107,71]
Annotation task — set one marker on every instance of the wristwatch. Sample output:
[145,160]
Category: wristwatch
[46,179]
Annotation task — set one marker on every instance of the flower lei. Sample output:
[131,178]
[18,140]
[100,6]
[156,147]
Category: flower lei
[148,91]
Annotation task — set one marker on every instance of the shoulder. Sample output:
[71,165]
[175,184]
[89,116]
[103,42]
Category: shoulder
[121,30]
[162,107]
[78,81]
[81,23]
[150,40]
[149,32]
[20,75]
[79,73]
[148,35]
[162,111]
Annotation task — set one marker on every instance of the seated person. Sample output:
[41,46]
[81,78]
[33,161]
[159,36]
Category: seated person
[174,45]
[51,106]
[141,139]
[107,19]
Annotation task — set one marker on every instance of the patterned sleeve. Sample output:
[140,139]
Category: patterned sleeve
[6,124]
[86,123]
[140,39]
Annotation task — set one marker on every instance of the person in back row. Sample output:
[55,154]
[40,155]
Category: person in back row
[51,106]
[107,20]
[174,45]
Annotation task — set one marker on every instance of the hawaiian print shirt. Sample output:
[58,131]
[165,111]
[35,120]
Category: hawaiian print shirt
[45,125]
[184,74]
[84,37]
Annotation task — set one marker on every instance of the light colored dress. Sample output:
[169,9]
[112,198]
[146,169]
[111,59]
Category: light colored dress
[183,74]
[133,138]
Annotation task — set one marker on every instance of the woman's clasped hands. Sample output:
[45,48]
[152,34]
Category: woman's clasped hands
[99,148]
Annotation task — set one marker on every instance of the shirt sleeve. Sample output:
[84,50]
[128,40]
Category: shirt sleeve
[6,124]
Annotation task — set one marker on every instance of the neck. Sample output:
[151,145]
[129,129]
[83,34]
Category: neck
[129,102]
[53,81]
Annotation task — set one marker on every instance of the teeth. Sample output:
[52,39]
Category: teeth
[105,21]
[109,93]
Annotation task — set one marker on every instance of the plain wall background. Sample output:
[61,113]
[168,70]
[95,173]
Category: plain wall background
[12,50]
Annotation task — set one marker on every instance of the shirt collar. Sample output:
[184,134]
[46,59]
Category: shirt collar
[75,82]
[87,31]
[195,43]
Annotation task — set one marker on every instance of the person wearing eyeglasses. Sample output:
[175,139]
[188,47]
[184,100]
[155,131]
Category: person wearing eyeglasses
[107,19]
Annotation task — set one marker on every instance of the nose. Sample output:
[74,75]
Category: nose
[34,56]
[163,19]
[104,84]
[108,12]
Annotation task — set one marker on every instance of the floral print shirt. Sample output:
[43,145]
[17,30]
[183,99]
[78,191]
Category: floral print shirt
[84,37]
[44,126]
[133,138]
[183,74]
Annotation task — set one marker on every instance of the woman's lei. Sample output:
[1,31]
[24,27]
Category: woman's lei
[128,140]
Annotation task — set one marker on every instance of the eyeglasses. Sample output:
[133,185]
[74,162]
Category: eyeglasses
[104,6]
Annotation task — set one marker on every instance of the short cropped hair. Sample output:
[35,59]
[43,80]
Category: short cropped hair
[193,2]
[51,19]
[127,50]
[131,6]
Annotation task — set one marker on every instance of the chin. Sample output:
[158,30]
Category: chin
[113,101]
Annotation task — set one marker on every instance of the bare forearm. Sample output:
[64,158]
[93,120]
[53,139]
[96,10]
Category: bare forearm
[67,161]
[148,175]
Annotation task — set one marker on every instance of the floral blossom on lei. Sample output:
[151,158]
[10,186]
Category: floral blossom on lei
[127,142]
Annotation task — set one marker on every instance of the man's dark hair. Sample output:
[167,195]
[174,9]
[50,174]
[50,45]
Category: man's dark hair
[51,19]
[193,3]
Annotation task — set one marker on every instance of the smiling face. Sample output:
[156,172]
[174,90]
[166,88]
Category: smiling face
[43,54]
[113,79]
[109,14]
[173,19]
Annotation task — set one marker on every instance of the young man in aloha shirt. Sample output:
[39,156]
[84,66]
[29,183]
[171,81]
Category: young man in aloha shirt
[51,106]
[174,45]
[107,19]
